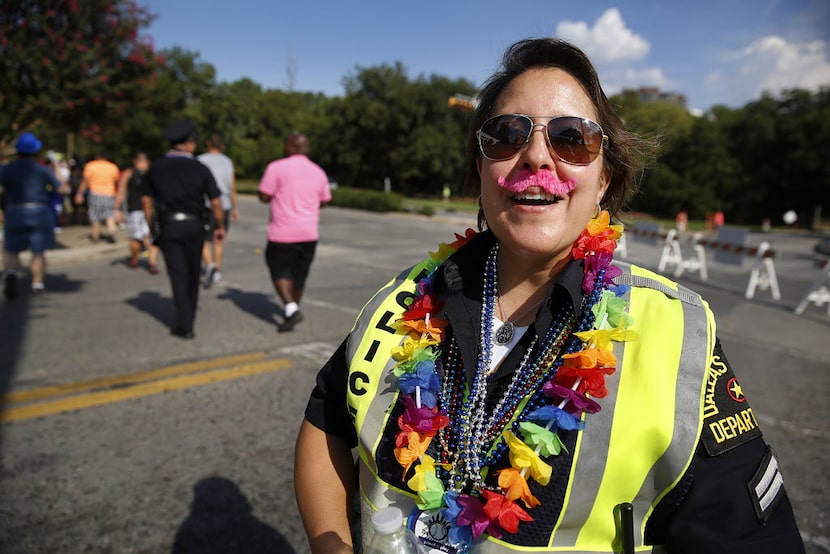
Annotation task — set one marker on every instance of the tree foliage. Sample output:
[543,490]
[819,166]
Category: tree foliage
[388,126]
[72,65]
[752,163]
[82,69]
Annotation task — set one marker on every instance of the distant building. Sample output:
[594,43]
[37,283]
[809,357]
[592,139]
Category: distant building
[653,94]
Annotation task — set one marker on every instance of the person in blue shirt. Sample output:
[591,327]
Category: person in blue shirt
[29,223]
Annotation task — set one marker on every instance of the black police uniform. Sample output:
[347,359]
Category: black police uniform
[178,184]
[710,510]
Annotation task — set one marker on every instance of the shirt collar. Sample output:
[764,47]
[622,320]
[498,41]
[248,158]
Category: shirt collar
[459,284]
[174,153]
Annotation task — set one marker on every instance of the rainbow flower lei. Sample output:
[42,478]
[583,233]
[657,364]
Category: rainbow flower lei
[579,377]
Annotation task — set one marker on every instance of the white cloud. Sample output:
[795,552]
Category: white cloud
[608,41]
[775,64]
[616,51]
[771,64]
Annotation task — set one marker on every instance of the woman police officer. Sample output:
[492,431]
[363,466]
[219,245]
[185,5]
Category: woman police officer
[521,391]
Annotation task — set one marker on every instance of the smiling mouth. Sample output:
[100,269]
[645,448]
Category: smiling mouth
[535,198]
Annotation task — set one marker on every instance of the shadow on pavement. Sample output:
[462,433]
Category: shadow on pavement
[154,304]
[61,283]
[255,303]
[14,319]
[221,521]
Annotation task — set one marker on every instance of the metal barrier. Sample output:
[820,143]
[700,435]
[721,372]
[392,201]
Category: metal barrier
[818,293]
[733,251]
[673,255]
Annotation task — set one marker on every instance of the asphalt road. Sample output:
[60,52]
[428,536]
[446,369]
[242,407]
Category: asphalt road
[117,437]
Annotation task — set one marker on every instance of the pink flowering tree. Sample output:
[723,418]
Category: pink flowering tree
[72,65]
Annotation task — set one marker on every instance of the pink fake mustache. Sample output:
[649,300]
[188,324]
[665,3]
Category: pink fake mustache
[524,179]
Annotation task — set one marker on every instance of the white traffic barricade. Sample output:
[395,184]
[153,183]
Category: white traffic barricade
[818,293]
[673,255]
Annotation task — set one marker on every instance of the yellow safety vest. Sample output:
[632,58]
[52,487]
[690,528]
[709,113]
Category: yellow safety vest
[636,449]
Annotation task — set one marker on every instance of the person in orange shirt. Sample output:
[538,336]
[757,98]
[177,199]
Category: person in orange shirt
[101,178]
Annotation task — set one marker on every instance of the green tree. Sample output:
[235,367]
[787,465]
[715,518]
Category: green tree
[781,145]
[71,65]
[664,187]
[389,126]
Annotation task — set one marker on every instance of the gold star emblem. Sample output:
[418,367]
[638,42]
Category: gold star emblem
[737,391]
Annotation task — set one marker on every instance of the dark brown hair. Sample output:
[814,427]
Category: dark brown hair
[624,156]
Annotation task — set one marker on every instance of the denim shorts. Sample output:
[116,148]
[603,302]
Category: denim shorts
[29,227]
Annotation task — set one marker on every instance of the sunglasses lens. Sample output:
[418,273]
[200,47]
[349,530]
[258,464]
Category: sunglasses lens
[502,136]
[575,140]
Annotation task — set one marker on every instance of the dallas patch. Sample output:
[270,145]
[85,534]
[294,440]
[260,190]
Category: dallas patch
[728,421]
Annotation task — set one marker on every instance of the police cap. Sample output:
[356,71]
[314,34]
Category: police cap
[180,131]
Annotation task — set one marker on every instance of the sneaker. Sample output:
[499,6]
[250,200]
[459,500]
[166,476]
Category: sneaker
[182,333]
[290,322]
[37,288]
[11,285]
[153,269]
[217,276]
[207,276]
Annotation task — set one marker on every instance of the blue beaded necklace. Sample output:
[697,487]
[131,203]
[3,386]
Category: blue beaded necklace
[468,444]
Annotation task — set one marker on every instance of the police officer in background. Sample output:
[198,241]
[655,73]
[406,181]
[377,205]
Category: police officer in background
[173,199]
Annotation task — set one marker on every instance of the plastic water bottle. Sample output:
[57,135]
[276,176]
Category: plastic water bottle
[390,537]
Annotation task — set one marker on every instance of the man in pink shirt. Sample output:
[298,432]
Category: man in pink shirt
[296,188]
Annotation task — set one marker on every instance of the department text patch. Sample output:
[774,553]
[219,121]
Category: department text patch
[728,421]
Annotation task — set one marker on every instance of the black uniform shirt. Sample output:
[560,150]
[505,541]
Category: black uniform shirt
[180,183]
[711,510]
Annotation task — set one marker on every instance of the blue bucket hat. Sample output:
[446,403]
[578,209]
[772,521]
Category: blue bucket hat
[28,143]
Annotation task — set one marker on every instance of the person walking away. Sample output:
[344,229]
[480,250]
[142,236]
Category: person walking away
[58,165]
[130,186]
[29,224]
[174,193]
[76,177]
[222,169]
[296,188]
[101,179]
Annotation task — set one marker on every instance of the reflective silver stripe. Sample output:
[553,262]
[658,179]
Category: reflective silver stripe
[589,468]
[491,546]
[769,475]
[381,496]
[769,486]
[681,293]
[695,359]
[361,324]
[378,495]
[594,441]
[771,492]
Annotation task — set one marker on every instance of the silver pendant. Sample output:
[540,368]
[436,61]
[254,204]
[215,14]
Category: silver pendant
[504,334]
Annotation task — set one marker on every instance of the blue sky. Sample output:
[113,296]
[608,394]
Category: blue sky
[714,52]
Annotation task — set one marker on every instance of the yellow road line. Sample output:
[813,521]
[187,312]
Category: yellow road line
[120,380]
[142,389]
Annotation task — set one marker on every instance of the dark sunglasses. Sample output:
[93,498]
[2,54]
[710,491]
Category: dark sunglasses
[574,140]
